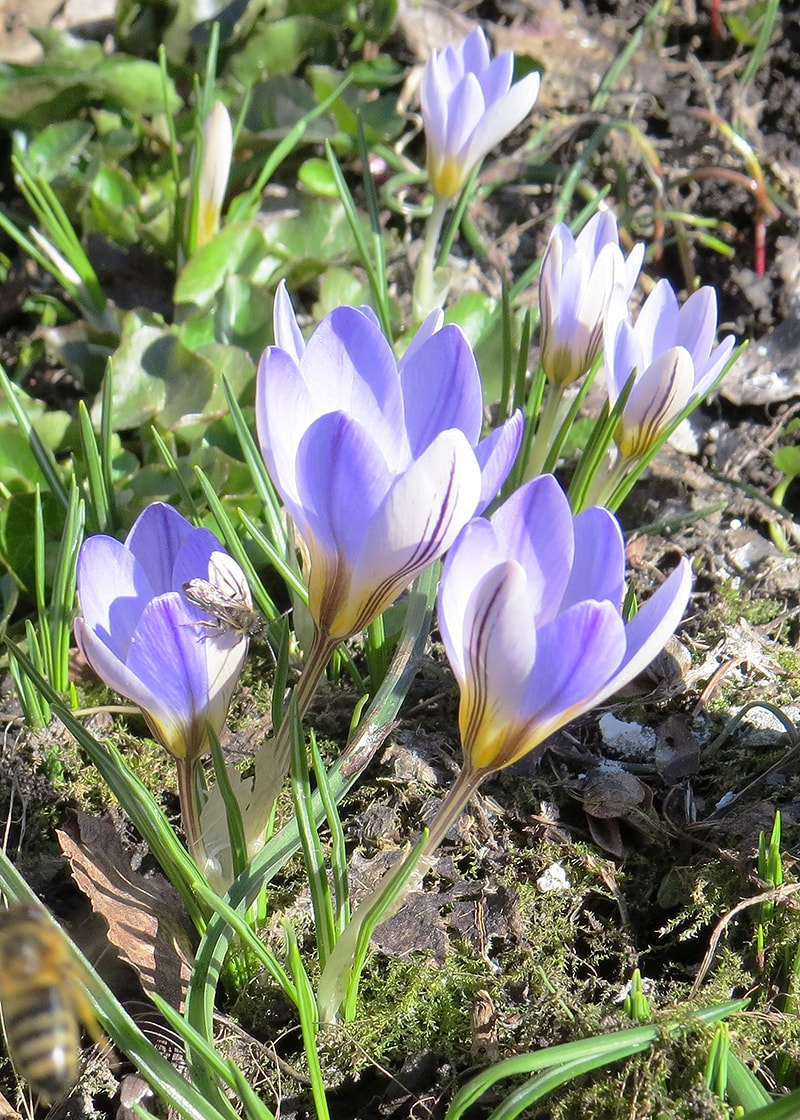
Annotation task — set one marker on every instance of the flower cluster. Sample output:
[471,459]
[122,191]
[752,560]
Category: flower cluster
[382,466]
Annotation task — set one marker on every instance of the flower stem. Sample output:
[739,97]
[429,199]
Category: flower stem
[606,480]
[425,296]
[319,655]
[460,793]
[549,420]
[189,798]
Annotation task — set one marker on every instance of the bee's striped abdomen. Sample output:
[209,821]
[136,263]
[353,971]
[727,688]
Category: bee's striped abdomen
[44,1040]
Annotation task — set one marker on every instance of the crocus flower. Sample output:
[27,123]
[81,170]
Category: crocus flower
[380,465]
[671,350]
[529,611]
[469,105]
[576,283]
[143,637]
[214,171]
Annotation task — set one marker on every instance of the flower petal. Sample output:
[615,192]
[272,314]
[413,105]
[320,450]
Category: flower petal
[348,366]
[168,657]
[535,527]
[285,329]
[577,653]
[496,455]
[649,629]
[423,513]
[441,388]
[342,479]
[157,536]
[113,590]
[472,556]
[502,117]
[598,569]
[283,412]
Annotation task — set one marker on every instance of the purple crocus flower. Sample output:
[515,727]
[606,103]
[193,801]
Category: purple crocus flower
[529,611]
[143,637]
[672,351]
[578,277]
[469,105]
[380,465]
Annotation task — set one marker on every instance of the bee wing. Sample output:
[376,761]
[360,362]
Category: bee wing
[228,577]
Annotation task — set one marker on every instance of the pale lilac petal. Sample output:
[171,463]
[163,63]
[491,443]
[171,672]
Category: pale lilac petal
[577,653]
[599,562]
[599,231]
[113,589]
[473,52]
[659,396]
[342,479]
[110,668]
[498,648]
[535,527]
[283,412]
[423,514]
[349,366]
[433,103]
[496,77]
[225,657]
[166,636]
[285,327]
[442,389]
[474,553]
[194,558]
[633,266]
[705,379]
[503,117]
[426,330]
[157,536]
[697,323]
[465,108]
[657,323]
[623,356]
[648,631]
[496,455]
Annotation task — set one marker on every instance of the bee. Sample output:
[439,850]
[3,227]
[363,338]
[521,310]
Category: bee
[225,595]
[44,1001]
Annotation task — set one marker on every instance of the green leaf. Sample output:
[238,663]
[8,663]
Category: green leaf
[277,105]
[114,203]
[16,539]
[315,175]
[787,460]
[18,466]
[73,74]
[280,47]
[240,249]
[156,377]
[58,147]
[136,83]
[308,243]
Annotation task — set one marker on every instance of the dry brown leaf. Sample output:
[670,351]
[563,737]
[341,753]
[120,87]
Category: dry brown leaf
[146,917]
